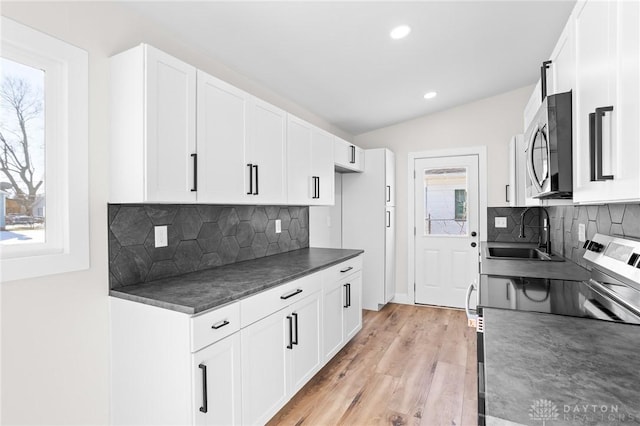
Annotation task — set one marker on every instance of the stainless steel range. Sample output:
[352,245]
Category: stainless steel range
[611,294]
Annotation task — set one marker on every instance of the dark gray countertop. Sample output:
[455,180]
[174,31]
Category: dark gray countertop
[579,365]
[566,270]
[199,291]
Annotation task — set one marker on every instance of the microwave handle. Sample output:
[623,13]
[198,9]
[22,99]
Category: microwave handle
[595,144]
[529,160]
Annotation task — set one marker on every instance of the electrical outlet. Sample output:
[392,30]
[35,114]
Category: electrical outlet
[501,222]
[582,234]
[160,234]
[278,226]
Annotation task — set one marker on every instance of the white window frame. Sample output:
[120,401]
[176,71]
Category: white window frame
[66,137]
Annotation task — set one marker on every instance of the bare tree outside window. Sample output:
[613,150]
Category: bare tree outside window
[22,153]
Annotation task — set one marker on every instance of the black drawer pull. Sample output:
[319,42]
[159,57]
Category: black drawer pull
[293,293]
[204,407]
[220,325]
[195,172]
[346,270]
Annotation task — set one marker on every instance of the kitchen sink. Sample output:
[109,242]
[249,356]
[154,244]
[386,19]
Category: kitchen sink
[522,253]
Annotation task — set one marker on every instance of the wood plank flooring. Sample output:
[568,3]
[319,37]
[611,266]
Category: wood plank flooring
[409,365]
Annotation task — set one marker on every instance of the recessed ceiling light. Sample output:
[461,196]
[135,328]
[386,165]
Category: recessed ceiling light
[430,95]
[400,32]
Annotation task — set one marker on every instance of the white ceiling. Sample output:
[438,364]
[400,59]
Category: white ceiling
[336,58]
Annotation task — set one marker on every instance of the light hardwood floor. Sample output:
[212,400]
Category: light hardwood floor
[409,365]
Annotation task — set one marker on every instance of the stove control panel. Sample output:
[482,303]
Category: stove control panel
[593,246]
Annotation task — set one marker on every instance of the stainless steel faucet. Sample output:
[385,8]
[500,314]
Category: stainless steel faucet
[547,245]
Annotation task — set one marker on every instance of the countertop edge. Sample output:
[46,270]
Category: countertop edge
[218,303]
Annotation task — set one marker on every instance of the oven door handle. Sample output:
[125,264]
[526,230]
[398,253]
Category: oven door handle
[471,316]
[597,313]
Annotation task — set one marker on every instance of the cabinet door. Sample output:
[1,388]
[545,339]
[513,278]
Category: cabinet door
[264,368]
[216,383]
[352,292]
[532,106]
[299,181]
[305,356]
[562,74]
[322,166]
[170,120]
[333,310]
[390,178]
[389,255]
[223,175]
[267,152]
[595,86]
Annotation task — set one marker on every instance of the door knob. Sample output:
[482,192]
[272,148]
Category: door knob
[474,233]
[473,244]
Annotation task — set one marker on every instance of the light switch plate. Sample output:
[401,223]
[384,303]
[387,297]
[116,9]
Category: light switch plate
[501,222]
[160,234]
[582,235]
[278,226]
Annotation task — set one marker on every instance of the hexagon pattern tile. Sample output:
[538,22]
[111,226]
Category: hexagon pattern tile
[199,237]
[613,219]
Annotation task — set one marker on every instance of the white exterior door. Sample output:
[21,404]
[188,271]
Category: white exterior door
[446,228]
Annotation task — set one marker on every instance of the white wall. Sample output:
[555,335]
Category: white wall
[490,122]
[55,330]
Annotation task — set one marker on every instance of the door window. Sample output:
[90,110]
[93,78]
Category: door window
[445,201]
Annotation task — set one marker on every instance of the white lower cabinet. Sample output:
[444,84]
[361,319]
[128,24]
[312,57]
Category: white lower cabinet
[342,305]
[216,383]
[280,353]
[264,369]
[238,364]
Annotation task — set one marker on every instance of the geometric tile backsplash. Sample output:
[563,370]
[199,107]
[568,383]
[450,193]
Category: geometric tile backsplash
[609,219]
[199,237]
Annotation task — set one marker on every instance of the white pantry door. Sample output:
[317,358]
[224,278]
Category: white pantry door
[446,228]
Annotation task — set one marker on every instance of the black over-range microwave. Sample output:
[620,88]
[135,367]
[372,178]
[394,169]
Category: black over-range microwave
[548,152]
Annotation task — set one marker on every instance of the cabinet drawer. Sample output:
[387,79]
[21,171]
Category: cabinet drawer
[212,326]
[343,270]
[263,304]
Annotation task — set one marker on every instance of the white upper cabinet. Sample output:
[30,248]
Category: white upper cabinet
[347,157]
[561,75]
[310,170]
[607,129]
[267,152]
[241,146]
[153,122]
[223,175]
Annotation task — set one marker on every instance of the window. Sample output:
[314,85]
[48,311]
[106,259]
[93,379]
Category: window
[43,154]
[445,198]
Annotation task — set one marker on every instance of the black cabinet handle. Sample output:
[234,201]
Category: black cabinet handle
[290,345]
[293,293]
[195,172]
[220,325]
[353,155]
[318,193]
[388,219]
[388,193]
[349,294]
[346,296]
[543,79]
[506,193]
[250,166]
[597,144]
[347,269]
[295,323]
[592,146]
[204,407]
[255,166]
